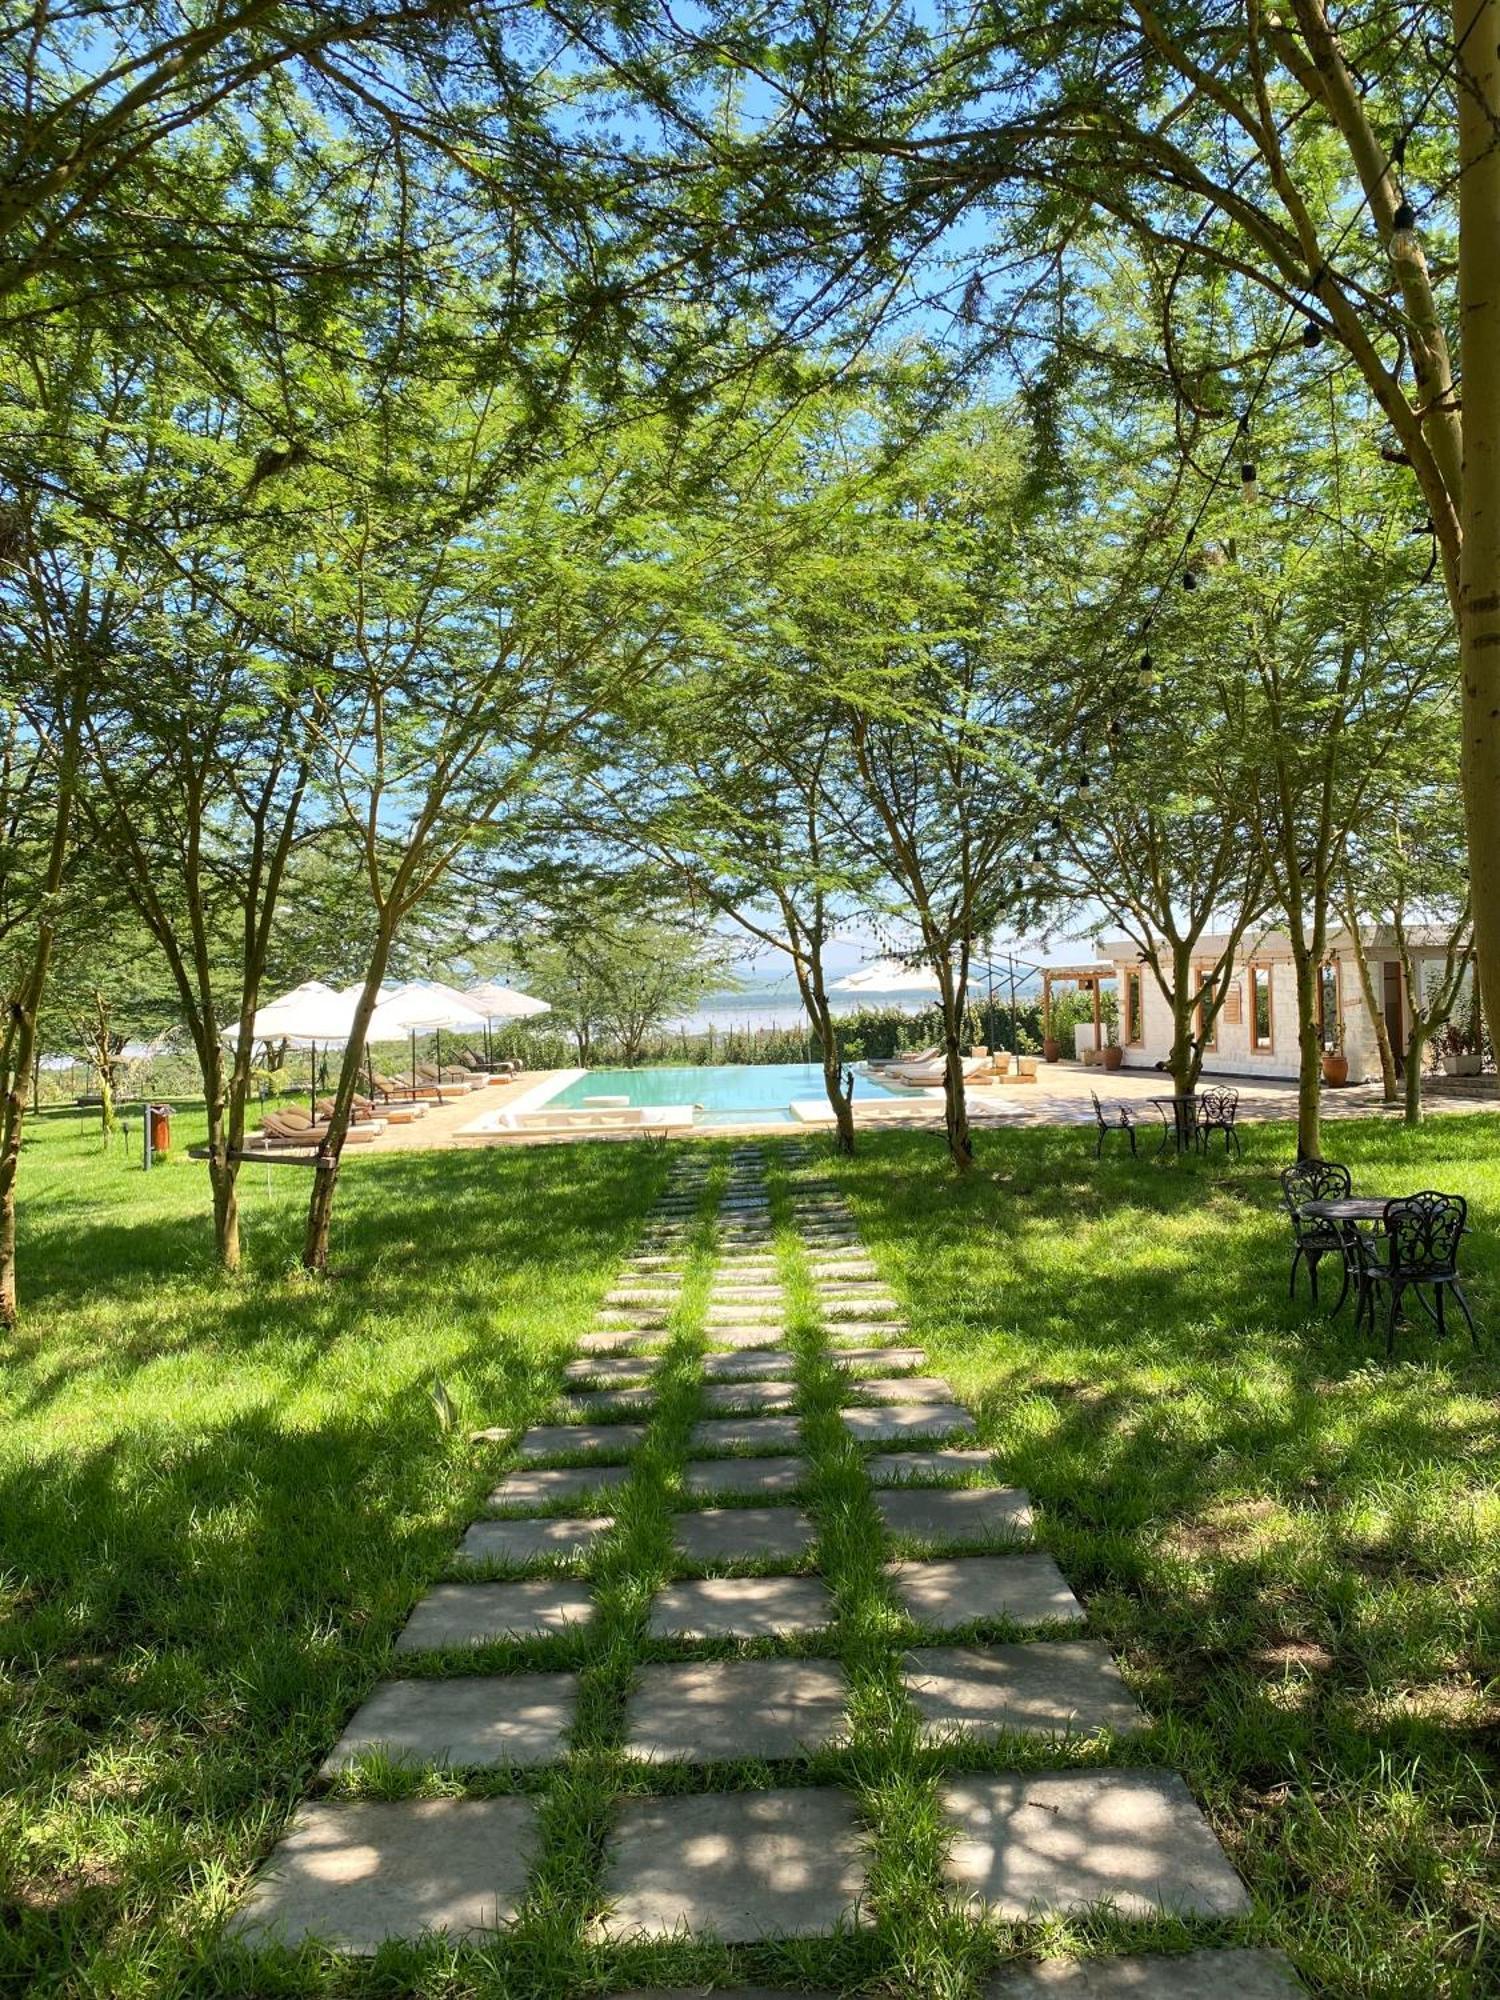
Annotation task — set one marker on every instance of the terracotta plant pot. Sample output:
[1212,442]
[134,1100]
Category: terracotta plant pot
[1335,1069]
[1051,1050]
[1114,1055]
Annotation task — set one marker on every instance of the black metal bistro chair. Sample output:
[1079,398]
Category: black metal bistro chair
[1216,1113]
[1416,1252]
[1113,1118]
[1312,1239]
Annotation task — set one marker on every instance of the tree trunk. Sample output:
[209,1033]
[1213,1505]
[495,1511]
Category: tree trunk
[1476,31]
[1309,1056]
[840,1100]
[955,1107]
[1415,1048]
[1182,1058]
[1389,1089]
[330,1152]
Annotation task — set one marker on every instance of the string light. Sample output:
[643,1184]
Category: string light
[1145,673]
[1312,335]
[1249,491]
[1404,231]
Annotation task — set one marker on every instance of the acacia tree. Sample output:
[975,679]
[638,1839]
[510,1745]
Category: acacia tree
[1341,169]
[492,626]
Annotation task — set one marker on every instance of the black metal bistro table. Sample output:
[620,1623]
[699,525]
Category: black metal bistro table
[1179,1120]
[1349,1214]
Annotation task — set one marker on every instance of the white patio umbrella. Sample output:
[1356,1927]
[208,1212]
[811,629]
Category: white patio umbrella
[502,1003]
[310,1016]
[422,1006]
[888,975]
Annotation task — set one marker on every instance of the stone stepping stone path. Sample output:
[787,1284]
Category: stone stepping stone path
[1229,1974]
[986,1642]
[741,1865]
[516,1720]
[763,1708]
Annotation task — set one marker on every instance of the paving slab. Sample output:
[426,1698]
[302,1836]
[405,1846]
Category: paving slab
[759,1294]
[1026,1588]
[901,1420]
[504,1719]
[619,1340]
[624,1368]
[735,1534]
[953,1515]
[724,1337]
[737,1865]
[749,1364]
[615,1441]
[893,1468]
[599,1402]
[756,1434]
[742,1312]
[745,1475]
[541,1487]
[529,1541]
[354,1874]
[472,1614]
[898,1389]
[741,1607]
[713,1710]
[760,1395]
[1052,1841]
[877,1357]
[856,1328]
[1236,1973]
[1053,1688]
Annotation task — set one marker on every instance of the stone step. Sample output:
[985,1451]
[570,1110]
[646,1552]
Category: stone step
[954,1515]
[1025,1589]
[741,1607]
[611,1441]
[516,1720]
[1053,1688]
[762,1436]
[1046,1843]
[611,1368]
[750,1364]
[907,1420]
[742,1534]
[771,1476]
[753,1395]
[592,1403]
[475,1614]
[708,1711]
[739,1866]
[354,1873]
[1232,1973]
[899,1389]
[518,1541]
[549,1486]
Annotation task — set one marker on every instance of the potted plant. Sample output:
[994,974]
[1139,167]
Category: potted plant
[1114,1055]
[1457,1050]
[1051,1048]
[1335,1062]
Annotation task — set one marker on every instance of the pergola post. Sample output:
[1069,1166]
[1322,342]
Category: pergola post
[1046,1006]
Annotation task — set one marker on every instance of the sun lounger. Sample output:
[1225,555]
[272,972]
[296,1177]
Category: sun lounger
[930,1074]
[393,1090]
[931,1054]
[364,1112]
[295,1128]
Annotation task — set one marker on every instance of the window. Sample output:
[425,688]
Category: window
[1329,1010]
[1261,1020]
[1205,1020]
[1134,1031]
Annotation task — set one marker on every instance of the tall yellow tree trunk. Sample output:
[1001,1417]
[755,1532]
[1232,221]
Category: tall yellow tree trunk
[1476,31]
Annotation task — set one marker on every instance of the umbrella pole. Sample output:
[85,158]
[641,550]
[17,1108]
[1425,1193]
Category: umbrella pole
[312,1086]
[413,1062]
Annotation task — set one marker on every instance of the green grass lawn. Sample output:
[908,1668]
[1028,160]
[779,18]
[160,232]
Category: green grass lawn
[219,1502]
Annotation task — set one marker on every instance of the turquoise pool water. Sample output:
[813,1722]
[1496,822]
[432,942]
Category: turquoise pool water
[726,1091]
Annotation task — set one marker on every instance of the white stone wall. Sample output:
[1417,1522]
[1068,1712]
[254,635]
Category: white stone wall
[1233,1053]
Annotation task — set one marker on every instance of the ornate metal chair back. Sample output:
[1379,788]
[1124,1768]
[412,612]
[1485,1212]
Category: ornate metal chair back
[1423,1231]
[1313,1180]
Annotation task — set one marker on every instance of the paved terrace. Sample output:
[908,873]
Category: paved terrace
[1060,1096]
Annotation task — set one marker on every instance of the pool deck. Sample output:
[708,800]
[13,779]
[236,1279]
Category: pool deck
[1060,1096]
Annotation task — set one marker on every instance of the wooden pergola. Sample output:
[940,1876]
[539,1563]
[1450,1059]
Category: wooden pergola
[1087,978]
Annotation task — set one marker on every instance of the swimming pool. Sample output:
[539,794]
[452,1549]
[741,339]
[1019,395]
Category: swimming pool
[726,1091]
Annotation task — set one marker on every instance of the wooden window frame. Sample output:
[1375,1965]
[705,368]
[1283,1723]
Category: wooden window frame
[1204,976]
[1257,1046]
[1135,1031]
